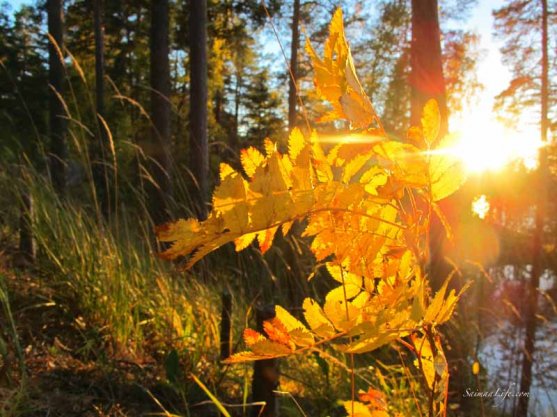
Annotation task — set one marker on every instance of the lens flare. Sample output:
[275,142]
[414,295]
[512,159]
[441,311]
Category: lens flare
[486,145]
[480,206]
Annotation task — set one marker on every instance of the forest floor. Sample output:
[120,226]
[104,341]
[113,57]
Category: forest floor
[69,369]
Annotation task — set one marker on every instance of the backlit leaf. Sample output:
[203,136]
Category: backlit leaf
[251,159]
[431,121]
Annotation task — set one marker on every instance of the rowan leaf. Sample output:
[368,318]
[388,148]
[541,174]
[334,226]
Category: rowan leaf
[296,142]
[251,337]
[316,319]
[277,331]
[225,170]
[431,121]
[357,409]
[296,329]
[446,170]
[251,159]
[244,241]
[265,238]
[336,80]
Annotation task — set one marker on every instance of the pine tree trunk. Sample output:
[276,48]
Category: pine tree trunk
[160,166]
[427,82]
[265,377]
[533,283]
[58,146]
[100,150]
[426,77]
[199,149]
[293,75]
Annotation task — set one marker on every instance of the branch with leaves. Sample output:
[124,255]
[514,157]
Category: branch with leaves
[367,201]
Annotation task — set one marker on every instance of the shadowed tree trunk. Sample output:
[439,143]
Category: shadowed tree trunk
[58,146]
[265,378]
[199,150]
[426,77]
[100,150]
[160,164]
[427,82]
[293,76]
[533,284]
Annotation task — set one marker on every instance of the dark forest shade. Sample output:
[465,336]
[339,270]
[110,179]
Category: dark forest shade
[293,76]
[160,164]
[58,146]
[199,153]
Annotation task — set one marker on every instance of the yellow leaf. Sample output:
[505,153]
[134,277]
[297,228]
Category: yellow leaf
[265,238]
[251,337]
[342,276]
[248,356]
[336,80]
[270,147]
[316,319]
[270,349]
[225,170]
[244,241]
[356,409]
[339,310]
[296,143]
[446,170]
[296,329]
[276,331]
[289,321]
[251,159]
[431,121]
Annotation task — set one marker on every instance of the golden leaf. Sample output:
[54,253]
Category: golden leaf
[265,238]
[317,320]
[357,409]
[244,241]
[251,159]
[251,337]
[276,331]
[296,142]
[431,121]
[446,170]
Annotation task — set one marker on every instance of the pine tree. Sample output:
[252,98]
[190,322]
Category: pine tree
[58,146]
[199,148]
[524,26]
[160,163]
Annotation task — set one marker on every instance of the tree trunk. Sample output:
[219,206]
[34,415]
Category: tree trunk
[427,82]
[160,164]
[531,312]
[426,77]
[293,76]
[58,146]
[234,138]
[225,325]
[199,148]
[265,378]
[100,150]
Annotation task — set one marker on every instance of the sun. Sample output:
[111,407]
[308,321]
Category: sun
[486,145]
